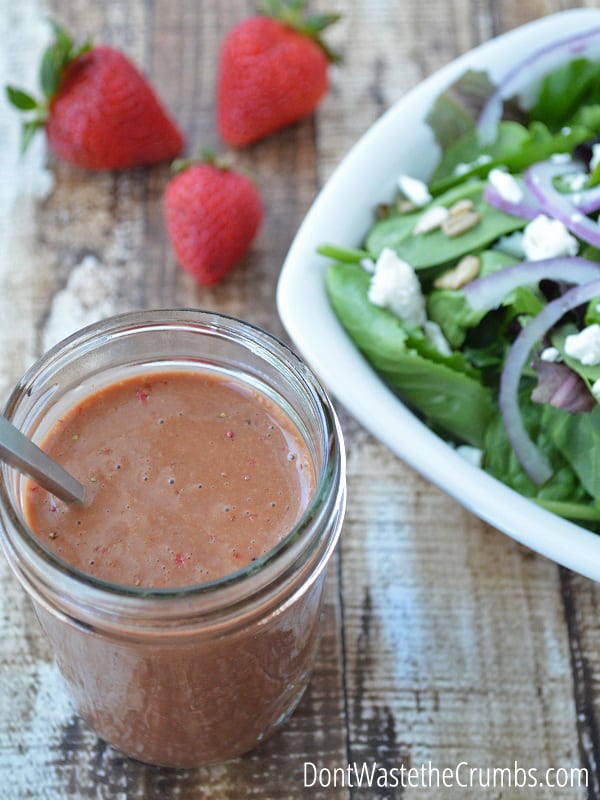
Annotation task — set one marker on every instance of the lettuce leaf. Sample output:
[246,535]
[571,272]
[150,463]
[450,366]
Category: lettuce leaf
[565,90]
[425,251]
[577,436]
[501,461]
[516,148]
[456,109]
[441,390]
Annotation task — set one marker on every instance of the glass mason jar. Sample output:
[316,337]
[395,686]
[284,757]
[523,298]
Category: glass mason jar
[188,676]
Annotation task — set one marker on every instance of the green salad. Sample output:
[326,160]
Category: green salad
[476,294]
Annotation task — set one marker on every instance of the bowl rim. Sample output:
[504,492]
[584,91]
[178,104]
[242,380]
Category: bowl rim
[342,368]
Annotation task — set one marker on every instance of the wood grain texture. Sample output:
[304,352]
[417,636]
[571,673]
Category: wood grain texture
[443,640]
[456,642]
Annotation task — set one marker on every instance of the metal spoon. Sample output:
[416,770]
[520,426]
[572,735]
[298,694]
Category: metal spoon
[22,453]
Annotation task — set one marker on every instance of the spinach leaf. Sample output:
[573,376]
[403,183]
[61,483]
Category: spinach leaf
[523,302]
[595,176]
[450,308]
[453,313]
[592,315]
[427,250]
[590,373]
[517,149]
[397,227]
[578,438]
[588,117]
[501,461]
[564,90]
[493,260]
[468,151]
[542,144]
[390,232]
[590,252]
[448,398]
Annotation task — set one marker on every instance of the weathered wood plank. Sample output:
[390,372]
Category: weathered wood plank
[444,640]
[455,641]
[580,603]
[455,644]
[92,226]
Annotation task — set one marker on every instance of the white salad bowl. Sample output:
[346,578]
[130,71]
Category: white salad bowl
[342,214]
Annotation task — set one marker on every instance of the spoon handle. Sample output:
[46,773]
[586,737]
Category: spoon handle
[22,453]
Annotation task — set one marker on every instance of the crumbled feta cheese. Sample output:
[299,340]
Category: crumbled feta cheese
[471,454]
[596,389]
[435,336]
[595,160]
[550,354]
[396,287]
[368,265]
[431,219]
[585,345]
[560,158]
[414,190]
[511,244]
[575,181]
[548,238]
[565,130]
[506,185]
[461,169]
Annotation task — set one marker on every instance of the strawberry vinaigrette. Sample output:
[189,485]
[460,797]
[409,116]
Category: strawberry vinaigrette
[183,598]
[189,476]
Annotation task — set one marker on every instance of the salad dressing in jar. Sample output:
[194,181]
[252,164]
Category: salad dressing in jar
[173,673]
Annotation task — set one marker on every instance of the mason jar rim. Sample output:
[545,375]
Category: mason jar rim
[213,323]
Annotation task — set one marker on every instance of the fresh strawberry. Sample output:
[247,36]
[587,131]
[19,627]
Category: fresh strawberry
[212,215]
[272,71]
[98,110]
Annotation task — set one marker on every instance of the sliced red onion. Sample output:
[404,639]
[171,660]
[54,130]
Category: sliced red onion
[528,207]
[586,201]
[538,178]
[491,113]
[487,293]
[533,461]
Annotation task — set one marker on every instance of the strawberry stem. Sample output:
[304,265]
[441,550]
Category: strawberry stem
[206,156]
[292,14]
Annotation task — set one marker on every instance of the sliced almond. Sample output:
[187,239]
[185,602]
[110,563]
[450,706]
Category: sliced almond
[405,206]
[431,220]
[461,206]
[464,272]
[460,223]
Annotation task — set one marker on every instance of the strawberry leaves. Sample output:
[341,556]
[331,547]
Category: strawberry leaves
[291,13]
[55,60]
[20,99]
[26,103]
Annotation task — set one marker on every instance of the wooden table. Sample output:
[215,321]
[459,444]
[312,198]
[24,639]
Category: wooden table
[444,641]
